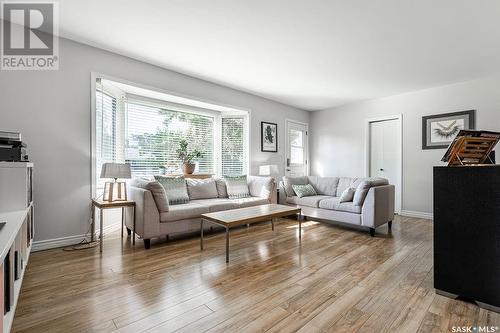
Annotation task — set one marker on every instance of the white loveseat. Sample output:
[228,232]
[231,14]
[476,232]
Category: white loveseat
[372,206]
[185,218]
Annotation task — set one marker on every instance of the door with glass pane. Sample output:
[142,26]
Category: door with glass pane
[296,153]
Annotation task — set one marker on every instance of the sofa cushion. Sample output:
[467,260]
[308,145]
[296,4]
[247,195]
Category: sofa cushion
[347,195]
[183,211]
[307,201]
[220,183]
[304,190]
[159,194]
[260,186]
[218,204]
[252,201]
[237,187]
[363,186]
[324,185]
[335,204]
[176,189]
[202,189]
[289,181]
[344,182]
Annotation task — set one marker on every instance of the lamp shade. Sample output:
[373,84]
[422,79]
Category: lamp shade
[115,170]
[268,170]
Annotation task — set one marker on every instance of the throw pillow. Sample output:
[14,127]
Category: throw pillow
[347,195]
[304,190]
[159,194]
[176,189]
[202,188]
[289,181]
[220,183]
[237,187]
[363,188]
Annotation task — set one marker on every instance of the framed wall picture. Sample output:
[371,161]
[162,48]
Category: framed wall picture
[268,137]
[439,130]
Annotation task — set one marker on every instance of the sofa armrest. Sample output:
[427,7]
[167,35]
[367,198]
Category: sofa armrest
[147,217]
[283,194]
[378,207]
[262,187]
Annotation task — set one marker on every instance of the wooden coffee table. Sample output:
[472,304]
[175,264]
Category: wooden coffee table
[240,216]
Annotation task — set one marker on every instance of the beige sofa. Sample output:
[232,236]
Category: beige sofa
[372,206]
[185,218]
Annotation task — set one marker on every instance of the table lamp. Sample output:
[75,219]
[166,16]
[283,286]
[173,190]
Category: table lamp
[115,191]
[268,170]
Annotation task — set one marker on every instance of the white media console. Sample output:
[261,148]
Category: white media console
[16,234]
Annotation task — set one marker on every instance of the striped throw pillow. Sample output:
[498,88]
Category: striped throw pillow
[176,189]
[237,187]
[304,190]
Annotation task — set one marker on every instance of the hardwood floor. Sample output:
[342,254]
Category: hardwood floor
[337,279]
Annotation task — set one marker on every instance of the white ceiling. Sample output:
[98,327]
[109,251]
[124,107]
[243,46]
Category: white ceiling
[312,54]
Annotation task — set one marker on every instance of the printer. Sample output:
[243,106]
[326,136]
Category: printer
[12,149]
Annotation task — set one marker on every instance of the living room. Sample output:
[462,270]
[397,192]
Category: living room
[249,166]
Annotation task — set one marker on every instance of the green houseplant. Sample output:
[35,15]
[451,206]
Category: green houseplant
[187,157]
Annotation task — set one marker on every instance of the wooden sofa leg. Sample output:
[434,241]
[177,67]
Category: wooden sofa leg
[147,244]
[372,232]
[129,232]
[389,224]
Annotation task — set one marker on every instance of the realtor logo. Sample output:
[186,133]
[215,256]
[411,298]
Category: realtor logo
[29,35]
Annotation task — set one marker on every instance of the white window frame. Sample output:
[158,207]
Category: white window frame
[288,122]
[246,141]
[217,110]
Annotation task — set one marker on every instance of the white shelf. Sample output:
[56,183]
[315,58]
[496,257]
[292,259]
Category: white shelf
[16,165]
[8,319]
[14,221]
[16,236]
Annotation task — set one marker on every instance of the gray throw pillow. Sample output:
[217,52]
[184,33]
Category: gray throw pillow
[220,183]
[347,195]
[202,188]
[159,194]
[237,187]
[176,189]
[304,190]
[364,186]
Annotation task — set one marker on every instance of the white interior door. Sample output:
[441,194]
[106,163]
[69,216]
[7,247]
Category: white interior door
[297,149]
[385,154]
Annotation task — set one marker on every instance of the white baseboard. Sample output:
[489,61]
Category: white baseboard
[420,215]
[48,244]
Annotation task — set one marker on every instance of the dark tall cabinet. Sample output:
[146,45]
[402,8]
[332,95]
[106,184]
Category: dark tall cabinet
[467,233]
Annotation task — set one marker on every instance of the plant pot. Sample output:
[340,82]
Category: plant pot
[188,168]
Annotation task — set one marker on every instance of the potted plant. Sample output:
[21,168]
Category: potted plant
[187,157]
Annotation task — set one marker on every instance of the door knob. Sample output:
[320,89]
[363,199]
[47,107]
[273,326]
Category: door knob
[381,169]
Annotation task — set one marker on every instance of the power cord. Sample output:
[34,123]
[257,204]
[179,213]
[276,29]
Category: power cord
[85,243]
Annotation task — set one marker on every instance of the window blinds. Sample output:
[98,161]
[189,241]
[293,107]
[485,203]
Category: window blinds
[153,136]
[233,146]
[105,132]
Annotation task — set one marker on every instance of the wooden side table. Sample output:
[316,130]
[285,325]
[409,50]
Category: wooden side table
[102,205]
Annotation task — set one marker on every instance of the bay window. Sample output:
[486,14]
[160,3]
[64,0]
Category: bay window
[146,132]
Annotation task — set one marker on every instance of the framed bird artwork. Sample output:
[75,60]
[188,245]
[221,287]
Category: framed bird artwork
[439,130]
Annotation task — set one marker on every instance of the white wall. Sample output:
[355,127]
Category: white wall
[338,134]
[52,110]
